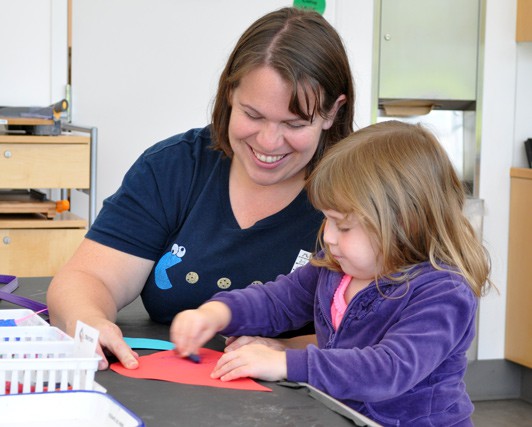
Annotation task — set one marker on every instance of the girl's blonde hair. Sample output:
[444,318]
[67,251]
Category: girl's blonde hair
[398,180]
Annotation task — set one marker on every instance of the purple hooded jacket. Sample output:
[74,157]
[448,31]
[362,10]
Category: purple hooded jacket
[399,354]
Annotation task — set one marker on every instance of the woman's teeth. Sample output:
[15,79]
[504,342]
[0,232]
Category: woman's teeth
[267,159]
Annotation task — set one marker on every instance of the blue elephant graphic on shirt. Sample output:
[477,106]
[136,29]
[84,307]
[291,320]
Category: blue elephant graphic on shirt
[168,260]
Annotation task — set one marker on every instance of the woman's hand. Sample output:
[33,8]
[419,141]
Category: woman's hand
[112,341]
[191,329]
[252,360]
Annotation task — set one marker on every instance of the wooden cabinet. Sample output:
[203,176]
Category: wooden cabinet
[518,347]
[34,245]
[524,21]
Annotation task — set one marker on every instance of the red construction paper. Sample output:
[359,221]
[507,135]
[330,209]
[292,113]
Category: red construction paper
[167,366]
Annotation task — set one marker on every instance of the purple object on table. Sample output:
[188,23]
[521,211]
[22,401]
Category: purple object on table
[10,284]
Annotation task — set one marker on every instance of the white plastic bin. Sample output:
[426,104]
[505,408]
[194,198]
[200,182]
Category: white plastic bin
[37,359]
[65,409]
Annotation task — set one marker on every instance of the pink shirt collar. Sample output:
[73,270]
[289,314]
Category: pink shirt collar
[338,304]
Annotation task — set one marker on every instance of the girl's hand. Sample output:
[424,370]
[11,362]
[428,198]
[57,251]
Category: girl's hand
[191,329]
[253,360]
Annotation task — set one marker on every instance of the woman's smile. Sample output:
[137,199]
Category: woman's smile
[265,158]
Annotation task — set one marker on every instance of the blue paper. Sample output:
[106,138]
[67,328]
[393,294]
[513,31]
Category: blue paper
[148,343]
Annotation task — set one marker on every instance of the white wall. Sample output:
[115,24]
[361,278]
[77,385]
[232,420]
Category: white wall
[506,121]
[173,62]
[354,22]
[33,55]
[498,121]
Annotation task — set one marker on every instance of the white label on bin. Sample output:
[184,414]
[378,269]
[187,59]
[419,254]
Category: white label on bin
[86,339]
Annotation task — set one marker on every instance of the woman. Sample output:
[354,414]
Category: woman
[223,206]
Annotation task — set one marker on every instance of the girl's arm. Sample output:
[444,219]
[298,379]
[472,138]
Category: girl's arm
[273,308]
[432,330]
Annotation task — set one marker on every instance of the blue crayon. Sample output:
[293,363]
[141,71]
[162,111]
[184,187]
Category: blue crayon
[194,358]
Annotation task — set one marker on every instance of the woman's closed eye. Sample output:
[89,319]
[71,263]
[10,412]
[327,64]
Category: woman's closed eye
[252,116]
[296,124]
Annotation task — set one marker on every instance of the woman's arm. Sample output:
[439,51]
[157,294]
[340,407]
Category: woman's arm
[92,287]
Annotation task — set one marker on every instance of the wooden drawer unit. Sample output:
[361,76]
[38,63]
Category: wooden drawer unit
[33,246]
[28,161]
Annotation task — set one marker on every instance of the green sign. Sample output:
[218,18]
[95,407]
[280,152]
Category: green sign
[317,5]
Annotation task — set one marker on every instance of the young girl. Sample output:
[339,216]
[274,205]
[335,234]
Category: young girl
[393,295]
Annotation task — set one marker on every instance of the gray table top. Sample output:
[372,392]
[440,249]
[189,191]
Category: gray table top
[162,404]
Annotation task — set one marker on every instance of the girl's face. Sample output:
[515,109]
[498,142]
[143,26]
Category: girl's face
[271,145]
[350,244]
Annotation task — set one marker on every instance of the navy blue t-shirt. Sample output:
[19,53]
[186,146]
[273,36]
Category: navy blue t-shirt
[173,207]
